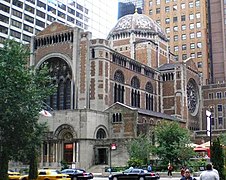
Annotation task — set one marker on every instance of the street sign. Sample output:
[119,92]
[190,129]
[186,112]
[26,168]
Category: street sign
[113,146]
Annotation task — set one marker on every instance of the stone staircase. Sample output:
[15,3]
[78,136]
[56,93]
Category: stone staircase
[97,169]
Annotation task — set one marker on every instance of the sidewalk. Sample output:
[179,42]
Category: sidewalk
[162,174]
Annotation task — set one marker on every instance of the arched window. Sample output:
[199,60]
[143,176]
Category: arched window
[119,87]
[101,134]
[135,93]
[149,96]
[61,73]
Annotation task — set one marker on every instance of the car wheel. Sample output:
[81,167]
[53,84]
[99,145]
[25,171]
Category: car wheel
[115,178]
[141,178]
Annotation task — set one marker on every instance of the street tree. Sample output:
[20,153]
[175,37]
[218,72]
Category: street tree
[139,150]
[22,90]
[217,157]
[172,143]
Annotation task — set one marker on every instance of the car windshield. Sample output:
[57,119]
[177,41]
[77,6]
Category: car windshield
[54,172]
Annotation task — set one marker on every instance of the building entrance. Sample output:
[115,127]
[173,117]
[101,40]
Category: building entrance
[102,156]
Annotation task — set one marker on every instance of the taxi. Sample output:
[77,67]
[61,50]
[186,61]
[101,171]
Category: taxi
[50,174]
[14,175]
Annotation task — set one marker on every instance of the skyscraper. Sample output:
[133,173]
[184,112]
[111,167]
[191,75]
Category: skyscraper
[20,19]
[128,7]
[218,49]
[185,23]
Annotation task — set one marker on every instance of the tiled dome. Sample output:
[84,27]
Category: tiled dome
[137,23]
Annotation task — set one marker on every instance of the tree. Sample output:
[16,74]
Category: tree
[217,157]
[139,150]
[22,90]
[172,143]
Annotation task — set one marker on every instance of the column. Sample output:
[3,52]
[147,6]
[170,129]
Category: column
[74,152]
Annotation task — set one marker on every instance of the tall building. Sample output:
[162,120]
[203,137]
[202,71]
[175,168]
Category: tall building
[185,23]
[218,38]
[126,7]
[20,19]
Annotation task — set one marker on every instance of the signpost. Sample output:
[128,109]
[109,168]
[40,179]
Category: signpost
[208,127]
[112,147]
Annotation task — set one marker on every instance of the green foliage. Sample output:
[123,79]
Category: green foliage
[139,149]
[64,165]
[173,143]
[22,90]
[217,157]
[134,162]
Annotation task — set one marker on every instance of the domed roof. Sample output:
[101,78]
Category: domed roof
[137,23]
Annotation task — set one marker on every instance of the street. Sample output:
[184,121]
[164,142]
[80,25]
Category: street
[164,178]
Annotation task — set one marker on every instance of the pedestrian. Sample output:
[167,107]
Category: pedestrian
[150,167]
[182,171]
[170,169]
[209,174]
[187,175]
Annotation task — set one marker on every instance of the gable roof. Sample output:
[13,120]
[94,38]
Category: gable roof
[54,28]
[148,112]
[159,115]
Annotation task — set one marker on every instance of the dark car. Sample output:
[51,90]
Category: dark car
[134,173]
[76,174]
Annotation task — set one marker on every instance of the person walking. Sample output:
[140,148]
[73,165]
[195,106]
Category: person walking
[150,167]
[209,174]
[170,169]
[187,175]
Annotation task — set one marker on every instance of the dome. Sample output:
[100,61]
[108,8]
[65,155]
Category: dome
[137,23]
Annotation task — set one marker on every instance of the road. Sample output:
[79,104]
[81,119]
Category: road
[163,178]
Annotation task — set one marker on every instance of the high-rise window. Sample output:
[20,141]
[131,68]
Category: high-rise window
[182,6]
[183,27]
[192,26]
[175,28]
[167,30]
[198,15]
[157,10]
[167,20]
[184,56]
[191,16]
[184,47]
[199,45]
[167,9]
[183,36]
[192,35]
[192,46]
[198,34]
[191,4]
[183,18]
[197,3]
[198,24]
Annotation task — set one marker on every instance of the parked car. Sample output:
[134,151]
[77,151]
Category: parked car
[134,173]
[49,174]
[76,174]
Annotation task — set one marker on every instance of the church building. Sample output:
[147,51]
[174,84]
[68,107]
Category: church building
[111,90]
